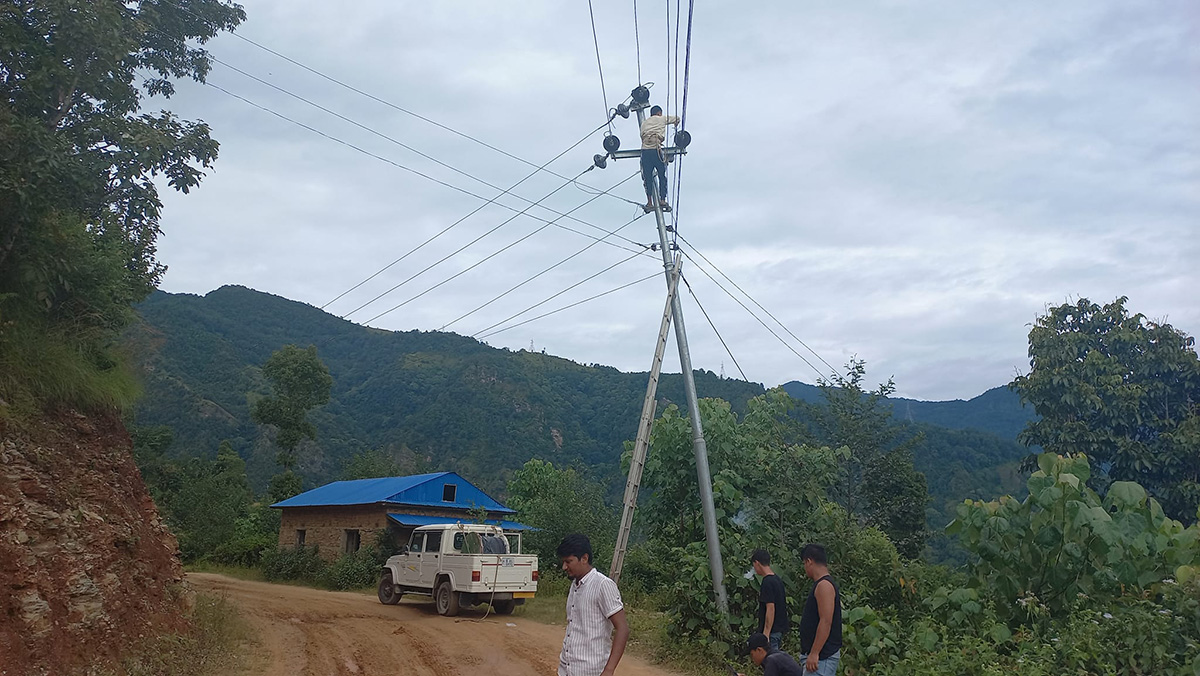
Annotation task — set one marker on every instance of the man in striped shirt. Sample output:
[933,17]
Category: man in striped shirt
[594,611]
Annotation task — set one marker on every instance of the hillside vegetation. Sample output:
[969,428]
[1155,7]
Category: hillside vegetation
[432,400]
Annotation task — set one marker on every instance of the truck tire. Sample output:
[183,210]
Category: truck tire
[389,593]
[503,607]
[446,599]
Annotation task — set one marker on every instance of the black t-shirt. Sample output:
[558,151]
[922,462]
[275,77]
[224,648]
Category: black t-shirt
[812,617]
[772,592]
[778,663]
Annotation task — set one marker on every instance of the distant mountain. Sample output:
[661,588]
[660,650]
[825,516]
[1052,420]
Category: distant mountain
[998,410]
[442,400]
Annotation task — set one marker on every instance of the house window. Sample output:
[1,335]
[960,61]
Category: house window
[449,492]
[300,533]
[352,541]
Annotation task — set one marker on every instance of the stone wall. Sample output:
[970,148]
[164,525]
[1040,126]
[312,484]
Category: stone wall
[325,527]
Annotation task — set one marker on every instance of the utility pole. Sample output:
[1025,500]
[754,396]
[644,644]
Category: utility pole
[637,462]
[671,266]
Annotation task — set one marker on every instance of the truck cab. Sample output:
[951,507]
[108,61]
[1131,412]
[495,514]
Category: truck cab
[461,564]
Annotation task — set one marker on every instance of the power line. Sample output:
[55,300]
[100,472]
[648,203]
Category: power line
[637,42]
[459,250]
[408,147]
[460,220]
[486,258]
[505,191]
[756,317]
[547,300]
[752,300]
[532,278]
[687,66]
[596,40]
[568,307]
[426,176]
[372,97]
[714,328]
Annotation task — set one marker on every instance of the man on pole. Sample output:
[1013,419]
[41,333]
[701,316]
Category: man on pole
[654,132]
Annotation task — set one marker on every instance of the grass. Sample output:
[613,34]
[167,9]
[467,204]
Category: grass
[648,637]
[216,644]
[41,368]
[237,572]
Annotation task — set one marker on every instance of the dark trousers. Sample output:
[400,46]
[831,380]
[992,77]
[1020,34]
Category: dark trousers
[652,161]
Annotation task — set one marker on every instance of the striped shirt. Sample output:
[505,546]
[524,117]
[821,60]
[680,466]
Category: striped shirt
[588,641]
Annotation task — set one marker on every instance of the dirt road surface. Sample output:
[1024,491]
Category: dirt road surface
[309,632]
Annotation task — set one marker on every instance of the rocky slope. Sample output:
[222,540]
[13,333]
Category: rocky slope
[87,567]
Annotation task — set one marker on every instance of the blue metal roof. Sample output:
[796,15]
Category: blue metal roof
[422,520]
[423,490]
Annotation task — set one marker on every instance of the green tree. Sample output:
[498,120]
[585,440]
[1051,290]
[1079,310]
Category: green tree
[878,479]
[558,502]
[1123,390]
[1037,556]
[212,497]
[301,382]
[371,464]
[79,206]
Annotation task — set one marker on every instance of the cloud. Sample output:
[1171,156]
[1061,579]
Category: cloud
[911,183]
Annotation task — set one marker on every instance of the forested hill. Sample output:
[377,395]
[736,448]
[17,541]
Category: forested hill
[441,400]
[998,411]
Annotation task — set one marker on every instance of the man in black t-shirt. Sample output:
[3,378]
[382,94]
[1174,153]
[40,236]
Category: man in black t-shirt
[773,619]
[773,662]
[821,623]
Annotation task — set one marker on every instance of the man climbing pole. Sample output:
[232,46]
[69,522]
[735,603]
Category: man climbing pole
[654,132]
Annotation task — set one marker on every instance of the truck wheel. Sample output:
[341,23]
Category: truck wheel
[446,599]
[389,594]
[503,607]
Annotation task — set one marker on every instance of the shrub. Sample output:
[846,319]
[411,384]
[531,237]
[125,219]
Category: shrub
[300,564]
[353,571]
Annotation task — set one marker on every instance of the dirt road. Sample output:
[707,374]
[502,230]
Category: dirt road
[310,632]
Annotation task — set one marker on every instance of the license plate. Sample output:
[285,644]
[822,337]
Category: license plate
[522,595]
[506,562]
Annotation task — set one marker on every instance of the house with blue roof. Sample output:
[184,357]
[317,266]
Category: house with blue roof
[343,516]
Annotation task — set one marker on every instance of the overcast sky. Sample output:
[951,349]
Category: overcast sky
[908,182]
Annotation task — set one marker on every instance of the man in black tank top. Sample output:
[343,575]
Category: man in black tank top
[821,624]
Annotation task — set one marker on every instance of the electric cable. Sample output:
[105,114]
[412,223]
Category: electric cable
[504,191]
[547,300]
[372,97]
[568,307]
[687,66]
[423,175]
[596,41]
[760,306]
[756,317]
[535,276]
[714,328]
[457,251]
[637,41]
[487,258]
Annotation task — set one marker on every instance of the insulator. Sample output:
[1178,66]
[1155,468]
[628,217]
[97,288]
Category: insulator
[640,94]
[682,139]
[623,110]
[601,161]
[611,143]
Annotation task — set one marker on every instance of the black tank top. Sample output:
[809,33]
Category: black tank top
[812,617]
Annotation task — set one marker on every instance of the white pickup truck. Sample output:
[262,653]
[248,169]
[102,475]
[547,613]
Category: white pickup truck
[461,565]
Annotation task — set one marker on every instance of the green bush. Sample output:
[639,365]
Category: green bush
[353,571]
[300,564]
